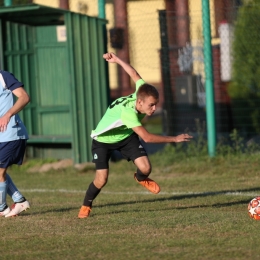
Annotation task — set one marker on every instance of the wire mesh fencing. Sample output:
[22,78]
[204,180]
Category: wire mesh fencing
[165,44]
[234,32]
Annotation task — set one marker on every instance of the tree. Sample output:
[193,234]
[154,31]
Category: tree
[245,84]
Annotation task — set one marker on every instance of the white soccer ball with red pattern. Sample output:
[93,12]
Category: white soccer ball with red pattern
[254,208]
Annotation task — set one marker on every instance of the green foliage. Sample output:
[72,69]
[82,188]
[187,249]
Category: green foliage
[233,146]
[246,63]
[246,51]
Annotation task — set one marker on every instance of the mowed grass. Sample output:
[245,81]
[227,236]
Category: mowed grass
[201,212]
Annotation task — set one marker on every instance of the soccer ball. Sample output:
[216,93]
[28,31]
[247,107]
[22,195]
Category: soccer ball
[254,208]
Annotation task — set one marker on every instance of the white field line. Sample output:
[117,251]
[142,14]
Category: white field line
[227,193]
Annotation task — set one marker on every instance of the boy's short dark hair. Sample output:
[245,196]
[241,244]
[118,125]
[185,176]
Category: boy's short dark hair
[147,90]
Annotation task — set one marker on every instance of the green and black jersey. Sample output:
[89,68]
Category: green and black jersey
[121,116]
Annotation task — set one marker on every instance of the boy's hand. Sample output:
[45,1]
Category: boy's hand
[4,122]
[182,138]
[110,57]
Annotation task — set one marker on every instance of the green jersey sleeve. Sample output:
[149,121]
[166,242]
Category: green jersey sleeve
[138,84]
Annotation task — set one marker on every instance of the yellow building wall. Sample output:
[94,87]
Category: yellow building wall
[195,8]
[196,32]
[144,38]
[51,3]
[144,34]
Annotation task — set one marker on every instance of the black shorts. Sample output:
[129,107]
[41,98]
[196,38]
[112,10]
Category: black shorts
[130,148]
[12,152]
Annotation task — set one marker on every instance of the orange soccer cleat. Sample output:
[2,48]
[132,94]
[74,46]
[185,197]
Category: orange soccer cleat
[84,212]
[149,184]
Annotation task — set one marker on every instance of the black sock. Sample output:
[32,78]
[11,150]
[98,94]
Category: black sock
[23,199]
[140,176]
[91,194]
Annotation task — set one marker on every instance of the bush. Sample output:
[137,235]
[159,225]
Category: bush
[245,86]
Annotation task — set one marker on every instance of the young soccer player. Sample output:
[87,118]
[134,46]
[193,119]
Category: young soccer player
[13,136]
[120,129]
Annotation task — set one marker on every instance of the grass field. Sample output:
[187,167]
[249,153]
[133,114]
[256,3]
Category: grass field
[201,212]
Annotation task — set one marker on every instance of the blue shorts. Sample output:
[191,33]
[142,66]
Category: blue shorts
[12,152]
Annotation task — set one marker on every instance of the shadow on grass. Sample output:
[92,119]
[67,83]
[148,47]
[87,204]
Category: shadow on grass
[57,210]
[192,195]
[218,205]
[166,198]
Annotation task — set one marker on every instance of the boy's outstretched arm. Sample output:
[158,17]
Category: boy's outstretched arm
[152,138]
[111,57]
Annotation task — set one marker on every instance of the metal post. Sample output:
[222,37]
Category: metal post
[101,9]
[209,86]
[8,2]
[121,21]
[64,4]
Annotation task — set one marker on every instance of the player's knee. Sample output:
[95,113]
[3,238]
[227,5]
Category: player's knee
[2,174]
[100,183]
